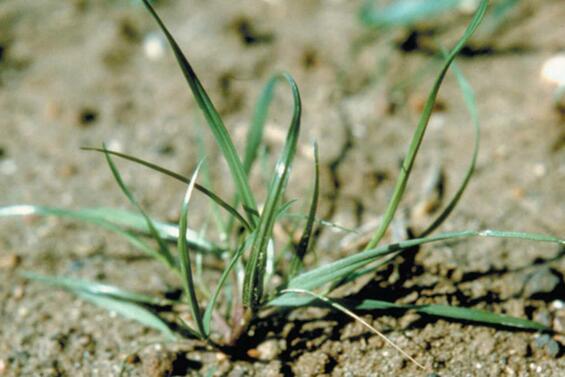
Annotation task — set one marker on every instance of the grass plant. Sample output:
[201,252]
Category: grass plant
[260,274]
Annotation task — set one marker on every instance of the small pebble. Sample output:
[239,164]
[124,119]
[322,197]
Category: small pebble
[154,46]
[543,317]
[559,323]
[553,348]
[539,170]
[542,340]
[542,283]
[548,344]
[268,350]
[553,70]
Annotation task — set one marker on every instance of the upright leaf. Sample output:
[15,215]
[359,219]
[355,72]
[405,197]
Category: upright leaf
[255,268]
[214,120]
[418,136]
[184,257]
[304,243]
[255,132]
[471,104]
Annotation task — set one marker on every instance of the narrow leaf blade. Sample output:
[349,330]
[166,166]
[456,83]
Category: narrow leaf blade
[256,265]
[471,105]
[90,216]
[131,311]
[418,135]
[336,270]
[163,248]
[179,177]
[214,120]
[184,257]
[95,288]
[304,243]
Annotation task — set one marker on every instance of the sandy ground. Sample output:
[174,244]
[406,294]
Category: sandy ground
[78,73]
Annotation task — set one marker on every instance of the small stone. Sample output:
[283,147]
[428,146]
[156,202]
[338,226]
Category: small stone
[553,348]
[3,366]
[542,283]
[548,344]
[553,70]
[268,350]
[542,316]
[10,261]
[154,46]
[409,319]
[559,323]
[542,340]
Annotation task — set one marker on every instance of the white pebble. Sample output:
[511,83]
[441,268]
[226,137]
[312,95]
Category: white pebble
[154,46]
[553,70]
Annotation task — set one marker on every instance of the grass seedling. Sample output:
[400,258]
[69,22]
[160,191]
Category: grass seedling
[259,275]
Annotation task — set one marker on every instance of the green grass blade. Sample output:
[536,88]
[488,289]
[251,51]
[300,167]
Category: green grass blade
[206,179]
[184,257]
[337,270]
[471,104]
[454,312]
[207,318]
[435,310]
[179,177]
[404,12]
[255,268]
[418,136]
[304,243]
[110,298]
[255,133]
[214,120]
[90,216]
[480,316]
[163,247]
[131,311]
[168,231]
[320,222]
[95,288]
